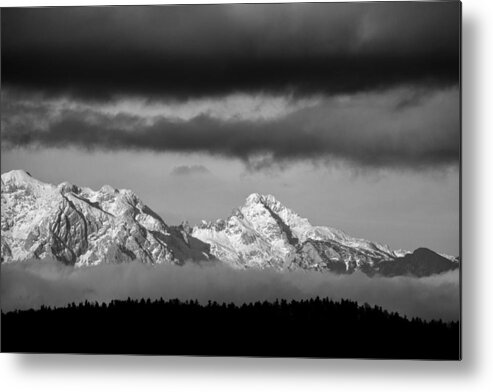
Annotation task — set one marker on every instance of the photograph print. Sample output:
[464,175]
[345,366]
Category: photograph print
[261,180]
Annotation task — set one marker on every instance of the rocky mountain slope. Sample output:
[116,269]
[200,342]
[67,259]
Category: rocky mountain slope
[79,226]
[265,233]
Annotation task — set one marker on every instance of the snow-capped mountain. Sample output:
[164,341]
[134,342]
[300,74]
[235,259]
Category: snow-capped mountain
[265,233]
[79,226]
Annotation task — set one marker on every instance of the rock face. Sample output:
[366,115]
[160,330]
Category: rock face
[79,226]
[422,262]
[264,233]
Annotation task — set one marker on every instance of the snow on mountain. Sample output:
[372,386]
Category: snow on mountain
[454,259]
[265,233]
[79,226]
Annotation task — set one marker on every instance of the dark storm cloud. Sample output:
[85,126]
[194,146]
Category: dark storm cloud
[190,51]
[32,284]
[365,130]
[185,170]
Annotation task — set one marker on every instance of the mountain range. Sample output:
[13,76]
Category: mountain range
[79,226]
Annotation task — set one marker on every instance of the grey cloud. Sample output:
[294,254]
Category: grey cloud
[185,170]
[364,130]
[191,51]
[32,284]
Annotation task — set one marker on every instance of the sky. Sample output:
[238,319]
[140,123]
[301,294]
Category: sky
[349,113]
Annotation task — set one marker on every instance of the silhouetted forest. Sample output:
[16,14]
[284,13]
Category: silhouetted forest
[308,328]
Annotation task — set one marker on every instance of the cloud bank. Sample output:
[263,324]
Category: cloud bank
[215,50]
[400,128]
[32,284]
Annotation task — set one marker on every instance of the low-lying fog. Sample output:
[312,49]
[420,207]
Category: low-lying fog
[32,284]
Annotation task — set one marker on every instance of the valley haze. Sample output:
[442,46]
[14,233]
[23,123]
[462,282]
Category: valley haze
[33,284]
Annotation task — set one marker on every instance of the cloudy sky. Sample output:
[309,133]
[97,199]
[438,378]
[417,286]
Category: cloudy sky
[347,112]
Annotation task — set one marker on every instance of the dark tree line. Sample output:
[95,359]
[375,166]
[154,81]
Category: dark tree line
[307,328]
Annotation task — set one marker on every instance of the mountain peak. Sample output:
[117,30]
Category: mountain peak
[21,179]
[256,198]
[16,176]
[66,187]
[108,189]
[79,226]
